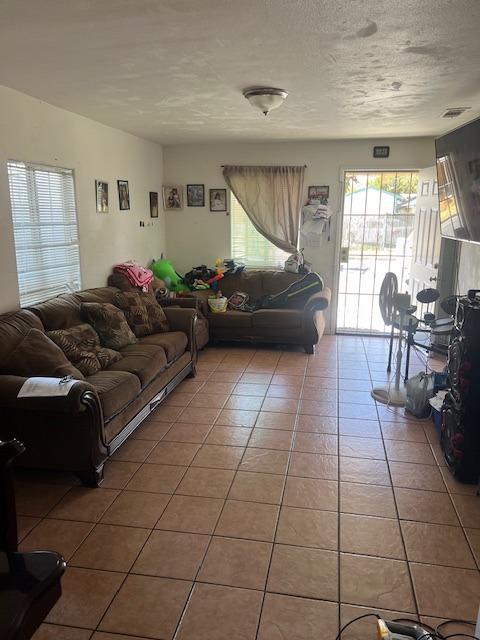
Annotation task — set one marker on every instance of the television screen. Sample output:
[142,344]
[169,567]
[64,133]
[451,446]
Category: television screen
[458,175]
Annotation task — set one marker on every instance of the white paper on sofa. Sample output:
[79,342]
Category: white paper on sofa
[46,387]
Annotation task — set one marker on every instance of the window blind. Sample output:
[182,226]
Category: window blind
[45,231]
[248,245]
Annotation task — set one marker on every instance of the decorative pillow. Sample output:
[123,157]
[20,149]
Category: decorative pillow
[144,315]
[110,324]
[37,355]
[81,345]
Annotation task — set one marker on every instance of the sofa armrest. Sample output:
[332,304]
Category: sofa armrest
[184,320]
[183,303]
[79,396]
[318,301]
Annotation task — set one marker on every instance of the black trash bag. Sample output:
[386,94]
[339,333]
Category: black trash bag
[199,273]
[294,296]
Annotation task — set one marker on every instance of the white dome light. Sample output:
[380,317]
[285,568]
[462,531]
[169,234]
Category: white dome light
[265,98]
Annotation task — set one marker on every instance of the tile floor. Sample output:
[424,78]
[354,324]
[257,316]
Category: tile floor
[268,498]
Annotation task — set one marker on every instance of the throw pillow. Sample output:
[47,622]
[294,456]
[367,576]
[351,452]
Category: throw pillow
[81,345]
[37,355]
[144,315]
[110,324]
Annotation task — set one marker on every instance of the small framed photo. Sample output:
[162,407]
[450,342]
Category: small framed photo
[425,189]
[316,192]
[218,200]
[381,152]
[123,195]
[195,195]
[172,198]
[153,204]
[101,194]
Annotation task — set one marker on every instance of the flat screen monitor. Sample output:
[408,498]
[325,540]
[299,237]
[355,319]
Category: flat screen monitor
[458,175]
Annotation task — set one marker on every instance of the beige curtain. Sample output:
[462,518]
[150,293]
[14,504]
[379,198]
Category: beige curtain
[271,198]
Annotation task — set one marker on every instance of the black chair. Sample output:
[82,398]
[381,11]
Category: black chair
[29,582]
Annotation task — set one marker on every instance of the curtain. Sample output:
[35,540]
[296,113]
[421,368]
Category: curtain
[272,199]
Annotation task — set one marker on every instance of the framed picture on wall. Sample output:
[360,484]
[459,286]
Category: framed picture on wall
[172,198]
[153,204]
[123,195]
[218,200]
[101,195]
[317,192]
[195,195]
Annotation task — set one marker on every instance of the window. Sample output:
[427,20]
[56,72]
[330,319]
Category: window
[248,245]
[45,231]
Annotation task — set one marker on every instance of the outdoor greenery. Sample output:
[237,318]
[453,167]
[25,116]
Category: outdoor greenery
[402,183]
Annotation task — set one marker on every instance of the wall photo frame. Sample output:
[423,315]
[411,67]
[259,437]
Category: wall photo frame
[101,196]
[172,197]
[153,198]
[123,195]
[195,195]
[319,192]
[218,200]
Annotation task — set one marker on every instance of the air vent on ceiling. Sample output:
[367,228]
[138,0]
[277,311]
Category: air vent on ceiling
[454,112]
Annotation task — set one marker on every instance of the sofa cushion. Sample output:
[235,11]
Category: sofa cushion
[278,318]
[81,345]
[115,389]
[143,360]
[230,319]
[110,324]
[37,355]
[275,281]
[173,343]
[247,281]
[144,315]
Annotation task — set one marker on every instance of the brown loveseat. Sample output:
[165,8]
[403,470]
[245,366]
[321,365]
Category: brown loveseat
[303,326]
[79,431]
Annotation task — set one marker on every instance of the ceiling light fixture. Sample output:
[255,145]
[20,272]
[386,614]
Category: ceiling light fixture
[265,98]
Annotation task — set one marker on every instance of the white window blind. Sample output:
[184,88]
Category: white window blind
[45,230]
[249,246]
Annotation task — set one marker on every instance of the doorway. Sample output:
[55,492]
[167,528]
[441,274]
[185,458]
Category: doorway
[377,237]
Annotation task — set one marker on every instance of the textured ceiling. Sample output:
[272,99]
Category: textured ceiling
[174,70]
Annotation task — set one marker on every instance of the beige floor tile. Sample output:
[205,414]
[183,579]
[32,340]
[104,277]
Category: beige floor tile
[298,571]
[283,391]
[218,457]
[85,505]
[235,611]
[437,544]
[224,381]
[357,411]
[257,378]
[425,506]
[178,399]
[151,430]
[209,400]
[198,415]
[246,403]
[61,536]
[185,432]
[416,476]
[247,389]
[280,405]
[24,525]
[209,483]
[455,594]
[136,509]
[353,447]
[86,595]
[58,632]
[468,508]
[403,431]
[311,493]
[133,450]
[371,536]
[231,436]
[157,478]
[271,439]
[176,453]
[473,536]
[324,395]
[237,418]
[292,380]
[191,514]
[110,548]
[117,474]
[318,408]
[355,397]
[316,443]
[367,499]
[313,465]
[399,451]
[264,461]
[376,582]
[171,554]
[250,520]
[317,424]
[135,610]
[165,414]
[236,563]
[359,428]
[364,471]
[299,618]
[319,383]
[308,528]
[257,487]
[275,420]
[36,500]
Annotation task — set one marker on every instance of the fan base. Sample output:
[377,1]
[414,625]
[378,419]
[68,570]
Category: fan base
[389,395]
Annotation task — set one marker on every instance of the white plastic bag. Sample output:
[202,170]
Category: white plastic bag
[419,392]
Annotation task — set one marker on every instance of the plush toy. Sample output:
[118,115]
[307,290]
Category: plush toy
[164,270]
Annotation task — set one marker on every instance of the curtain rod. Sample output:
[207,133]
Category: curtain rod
[264,165]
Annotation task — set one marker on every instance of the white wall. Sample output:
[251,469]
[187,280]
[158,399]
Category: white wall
[34,131]
[469,267]
[196,236]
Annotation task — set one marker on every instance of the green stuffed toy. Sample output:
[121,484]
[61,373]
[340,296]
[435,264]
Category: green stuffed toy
[164,270]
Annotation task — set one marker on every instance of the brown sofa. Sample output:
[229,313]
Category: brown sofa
[79,431]
[303,326]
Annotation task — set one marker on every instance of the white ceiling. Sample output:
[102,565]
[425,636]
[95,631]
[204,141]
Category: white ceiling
[174,70]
